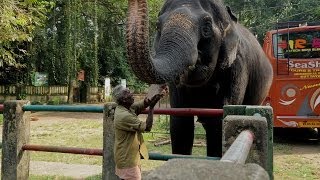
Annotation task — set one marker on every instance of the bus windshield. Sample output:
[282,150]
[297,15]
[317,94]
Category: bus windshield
[297,45]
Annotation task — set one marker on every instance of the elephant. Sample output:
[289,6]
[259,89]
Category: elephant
[207,58]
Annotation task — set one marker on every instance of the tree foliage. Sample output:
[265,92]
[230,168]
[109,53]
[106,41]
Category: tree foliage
[88,35]
[262,15]
[61,37]
[18,21]
[82,34]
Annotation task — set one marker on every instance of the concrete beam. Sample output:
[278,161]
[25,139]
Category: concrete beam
[240,148]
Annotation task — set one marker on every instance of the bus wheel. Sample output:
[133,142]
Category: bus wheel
[318,133]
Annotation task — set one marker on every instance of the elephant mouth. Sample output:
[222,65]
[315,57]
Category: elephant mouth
[196,75]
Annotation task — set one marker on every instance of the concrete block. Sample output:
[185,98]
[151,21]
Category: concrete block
[191,169]
[233,125]
[108,169]
[234,110]
[267,112]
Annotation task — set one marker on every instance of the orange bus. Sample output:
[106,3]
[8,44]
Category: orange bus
[294,51]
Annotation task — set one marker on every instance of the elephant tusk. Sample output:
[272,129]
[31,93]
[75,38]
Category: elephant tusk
[191,68]
[226,30]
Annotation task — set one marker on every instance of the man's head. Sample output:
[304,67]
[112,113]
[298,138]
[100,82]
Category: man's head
[122,96]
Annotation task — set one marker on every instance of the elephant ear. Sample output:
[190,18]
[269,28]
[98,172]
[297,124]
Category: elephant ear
[230,41]
[229,46]
[232,16]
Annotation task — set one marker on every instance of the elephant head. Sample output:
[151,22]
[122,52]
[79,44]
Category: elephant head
[194,38]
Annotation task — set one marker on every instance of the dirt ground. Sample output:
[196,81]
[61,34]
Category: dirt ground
[291,146]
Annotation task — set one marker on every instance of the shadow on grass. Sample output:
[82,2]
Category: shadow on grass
[295,135]
[296,141]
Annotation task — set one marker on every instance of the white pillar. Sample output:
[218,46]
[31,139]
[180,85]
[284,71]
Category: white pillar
[124,83]
[107,88]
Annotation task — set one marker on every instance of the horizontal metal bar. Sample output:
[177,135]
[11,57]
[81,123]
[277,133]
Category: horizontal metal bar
[99,152]
[188,112]
[99,109]
[299,117]
[59,149]
[240,148]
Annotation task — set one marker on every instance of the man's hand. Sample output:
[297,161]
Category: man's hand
[162,91]
[165,89]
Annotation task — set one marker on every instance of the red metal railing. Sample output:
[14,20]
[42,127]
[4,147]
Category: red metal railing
[187,112]
[71,150]
[99,152]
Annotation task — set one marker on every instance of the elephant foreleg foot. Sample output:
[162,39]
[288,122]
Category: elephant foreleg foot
[213,127]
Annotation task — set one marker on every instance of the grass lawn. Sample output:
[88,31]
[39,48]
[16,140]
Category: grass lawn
[290,165]
[88,134]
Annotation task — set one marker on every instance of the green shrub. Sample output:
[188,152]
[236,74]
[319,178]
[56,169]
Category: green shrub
[54,101]
[36,103]
[161,123]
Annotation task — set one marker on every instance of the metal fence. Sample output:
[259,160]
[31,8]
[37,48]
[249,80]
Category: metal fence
[252,132]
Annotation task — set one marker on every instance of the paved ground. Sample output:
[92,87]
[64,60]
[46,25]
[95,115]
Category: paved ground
[77,171]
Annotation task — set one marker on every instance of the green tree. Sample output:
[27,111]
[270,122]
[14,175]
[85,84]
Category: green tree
[262,15]
[18,22]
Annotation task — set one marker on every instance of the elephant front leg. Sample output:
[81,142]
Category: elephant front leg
[182,134]
[213,127]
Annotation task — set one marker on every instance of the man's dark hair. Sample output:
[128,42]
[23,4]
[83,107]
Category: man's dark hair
[117,93]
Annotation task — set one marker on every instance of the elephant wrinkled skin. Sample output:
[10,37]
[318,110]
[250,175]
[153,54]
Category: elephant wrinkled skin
[207,58]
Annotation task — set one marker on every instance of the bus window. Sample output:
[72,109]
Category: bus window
[277,44]
[301,45]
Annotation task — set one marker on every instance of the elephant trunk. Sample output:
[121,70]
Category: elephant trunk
[176,52]
[137,35]
[176,48]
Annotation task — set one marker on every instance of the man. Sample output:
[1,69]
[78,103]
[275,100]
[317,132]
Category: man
[129,145]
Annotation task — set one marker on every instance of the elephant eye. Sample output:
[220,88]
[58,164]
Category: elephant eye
[206,28]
